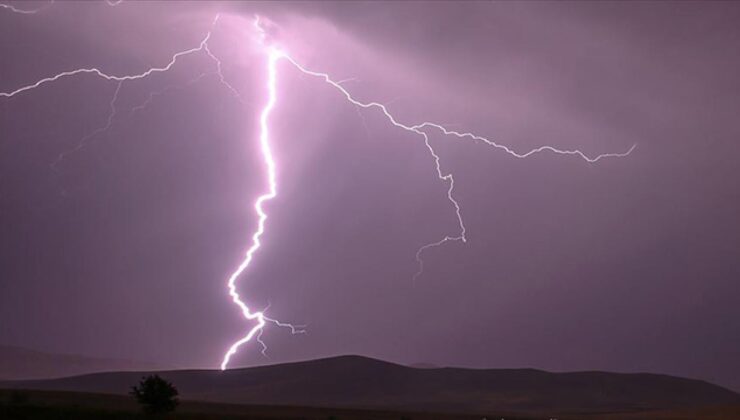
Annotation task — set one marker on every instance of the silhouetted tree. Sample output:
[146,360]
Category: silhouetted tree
[155,394]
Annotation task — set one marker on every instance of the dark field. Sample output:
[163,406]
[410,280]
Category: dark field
[74,405]
[32,405]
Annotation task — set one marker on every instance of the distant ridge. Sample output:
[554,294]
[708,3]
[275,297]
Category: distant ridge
[21,363]
[360,382]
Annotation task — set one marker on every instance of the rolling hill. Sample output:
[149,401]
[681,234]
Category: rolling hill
[359,382]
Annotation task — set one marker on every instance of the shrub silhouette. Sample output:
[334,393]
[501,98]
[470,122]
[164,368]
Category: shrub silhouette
[155,395]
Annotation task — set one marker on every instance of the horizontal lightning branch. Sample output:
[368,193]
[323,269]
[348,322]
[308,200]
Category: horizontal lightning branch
[445,177]
[97,72]
[14,9]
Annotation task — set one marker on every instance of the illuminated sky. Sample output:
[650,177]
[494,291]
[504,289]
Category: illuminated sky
[123,247]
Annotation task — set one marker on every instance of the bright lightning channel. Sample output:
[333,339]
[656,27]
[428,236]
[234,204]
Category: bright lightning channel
[274,55]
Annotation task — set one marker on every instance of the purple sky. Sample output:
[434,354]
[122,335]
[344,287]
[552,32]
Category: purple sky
[123,249]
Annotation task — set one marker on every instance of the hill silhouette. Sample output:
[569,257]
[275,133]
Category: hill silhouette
[360,382]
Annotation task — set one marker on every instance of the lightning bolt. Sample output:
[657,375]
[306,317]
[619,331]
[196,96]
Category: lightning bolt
[24,11]
[14,9]
[153,95]
[259,316]
[202,47]
[447,178]
[86,138]
[97,72]
[273,56]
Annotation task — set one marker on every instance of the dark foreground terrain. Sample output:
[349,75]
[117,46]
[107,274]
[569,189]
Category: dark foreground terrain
[33,405]
[362,388]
